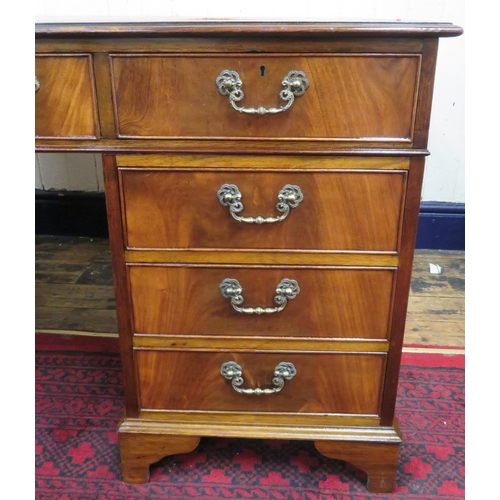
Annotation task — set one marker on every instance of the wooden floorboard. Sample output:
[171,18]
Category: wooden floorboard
[74,291]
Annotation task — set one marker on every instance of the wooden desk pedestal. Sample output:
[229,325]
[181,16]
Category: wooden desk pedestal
[263,186]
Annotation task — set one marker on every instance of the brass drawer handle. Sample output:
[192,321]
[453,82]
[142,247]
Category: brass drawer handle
[289,197]
[232,371]
[294,85]
[286,289]
[37,84]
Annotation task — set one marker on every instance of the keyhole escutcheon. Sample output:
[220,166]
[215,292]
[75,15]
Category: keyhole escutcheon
[262,71]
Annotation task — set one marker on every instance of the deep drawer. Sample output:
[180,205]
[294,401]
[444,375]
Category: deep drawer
[65,103]
[323,383]
[331,303]
[352,97]
[341,210]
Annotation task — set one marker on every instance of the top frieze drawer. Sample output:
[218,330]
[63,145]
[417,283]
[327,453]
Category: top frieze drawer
[65,97]
[363,98]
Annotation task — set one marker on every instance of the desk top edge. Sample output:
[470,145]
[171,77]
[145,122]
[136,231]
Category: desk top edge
[241,28]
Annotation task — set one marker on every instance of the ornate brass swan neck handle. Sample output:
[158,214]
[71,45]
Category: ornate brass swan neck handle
[289,197]
[232,371]
[286,289]
[294,85]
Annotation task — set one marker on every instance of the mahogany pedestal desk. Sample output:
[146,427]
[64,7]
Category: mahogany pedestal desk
[263,186]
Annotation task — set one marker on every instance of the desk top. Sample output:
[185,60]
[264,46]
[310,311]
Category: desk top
[226,27]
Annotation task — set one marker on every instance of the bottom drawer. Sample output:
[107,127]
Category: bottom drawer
[348,383]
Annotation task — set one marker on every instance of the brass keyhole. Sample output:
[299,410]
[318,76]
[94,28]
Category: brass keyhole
[262,71]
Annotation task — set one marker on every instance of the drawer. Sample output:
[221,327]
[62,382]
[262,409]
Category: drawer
[65,103]
[342,210]
[352,97]
[323,383]
[331,303]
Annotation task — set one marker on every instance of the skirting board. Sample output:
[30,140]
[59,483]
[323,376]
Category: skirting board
[441,226]
[70,213]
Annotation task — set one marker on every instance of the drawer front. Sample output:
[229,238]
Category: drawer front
[323,383]
[339,211]
[65,103]
[331,303]
[353,97]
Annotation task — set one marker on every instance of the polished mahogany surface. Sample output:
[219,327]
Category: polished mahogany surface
[340,210]
[332,302]
[324,383]
[351,96]
[66,101]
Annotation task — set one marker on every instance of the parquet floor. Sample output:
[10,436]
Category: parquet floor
[74,292]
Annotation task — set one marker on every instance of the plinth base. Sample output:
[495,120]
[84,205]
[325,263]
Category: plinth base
[374,450]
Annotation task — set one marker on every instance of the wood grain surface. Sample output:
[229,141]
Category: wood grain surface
[324,383]
[402,289]
[378,460]
[338,303]
[223,45]
[238,28]
[65,105]
[121,285]
[340,211]
[139,450]
[246,162]
[351,97]
[223,146]
[261,343]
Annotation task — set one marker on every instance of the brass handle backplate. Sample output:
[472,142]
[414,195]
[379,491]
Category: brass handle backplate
[286,289]
[289,197]
[232,371]
[294,85]
[37,84]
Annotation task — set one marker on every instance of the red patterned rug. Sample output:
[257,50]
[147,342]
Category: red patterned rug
[79,402]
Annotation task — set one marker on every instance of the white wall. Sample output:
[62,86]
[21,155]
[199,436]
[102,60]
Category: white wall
[445,173]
